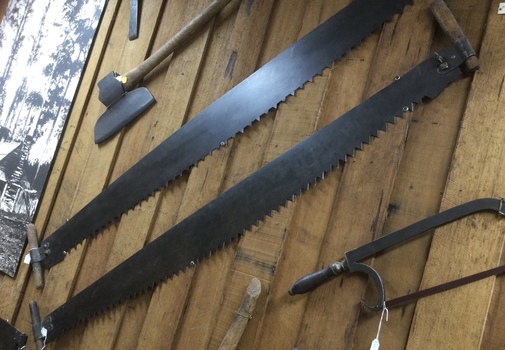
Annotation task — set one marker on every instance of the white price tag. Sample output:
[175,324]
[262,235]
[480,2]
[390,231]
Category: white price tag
[501,8]
[27,259]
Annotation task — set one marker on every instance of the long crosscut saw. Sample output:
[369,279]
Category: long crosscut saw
[220,121]
[228,216]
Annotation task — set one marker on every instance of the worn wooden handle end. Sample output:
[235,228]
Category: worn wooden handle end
[33,242]
[452,29]
[36,325]
[243,315]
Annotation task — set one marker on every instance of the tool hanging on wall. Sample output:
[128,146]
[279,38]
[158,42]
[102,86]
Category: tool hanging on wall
[133,28]
[351,258]
[239,208]
[117,92]
[33,258]
[223,119]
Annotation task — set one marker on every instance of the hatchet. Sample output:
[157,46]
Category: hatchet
[117,92]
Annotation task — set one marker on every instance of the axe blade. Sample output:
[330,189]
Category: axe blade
[122,112]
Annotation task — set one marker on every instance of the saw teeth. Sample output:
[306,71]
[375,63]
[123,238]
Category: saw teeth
[310,77]
[209,254]
[256,223]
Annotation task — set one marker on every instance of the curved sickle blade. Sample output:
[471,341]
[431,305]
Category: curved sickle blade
[377,280]
[411,231]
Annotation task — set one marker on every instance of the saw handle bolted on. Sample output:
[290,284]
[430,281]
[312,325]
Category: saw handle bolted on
[38,334]
[311,281]
[446,20]
[37,270]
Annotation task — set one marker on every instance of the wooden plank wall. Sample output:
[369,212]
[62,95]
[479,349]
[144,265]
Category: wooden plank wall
[447,151]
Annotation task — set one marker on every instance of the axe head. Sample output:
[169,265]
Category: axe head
[110,89]
[121,112]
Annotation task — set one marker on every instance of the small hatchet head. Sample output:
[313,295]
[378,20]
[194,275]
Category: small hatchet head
[121,112]
[110,89]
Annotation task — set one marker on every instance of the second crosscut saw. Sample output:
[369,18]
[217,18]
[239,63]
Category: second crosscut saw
[221,120]
[227,217]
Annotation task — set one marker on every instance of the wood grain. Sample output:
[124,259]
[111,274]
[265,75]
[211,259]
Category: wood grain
[476,243]
[445,152]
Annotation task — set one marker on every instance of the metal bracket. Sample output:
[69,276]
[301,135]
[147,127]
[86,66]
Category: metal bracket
[464,47]
[39,254]
[501,210]
[443,65]
[36,255]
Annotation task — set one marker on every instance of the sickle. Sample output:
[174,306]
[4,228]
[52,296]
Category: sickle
[352,257]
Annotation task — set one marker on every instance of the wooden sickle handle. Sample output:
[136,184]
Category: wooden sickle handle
[133,77]
[452,29]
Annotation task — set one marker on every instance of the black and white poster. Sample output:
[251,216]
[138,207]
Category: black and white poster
[44,45]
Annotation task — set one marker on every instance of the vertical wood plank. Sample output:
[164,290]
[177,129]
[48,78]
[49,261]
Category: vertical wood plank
[365,189]
[419,185]
[475,243]
[429,161]
[205,179]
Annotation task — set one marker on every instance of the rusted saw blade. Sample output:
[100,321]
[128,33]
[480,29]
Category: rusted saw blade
[223,119]
[228,216]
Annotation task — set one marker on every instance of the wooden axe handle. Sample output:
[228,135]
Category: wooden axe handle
[452,29]
[232,337]
[133,77]
[33,242]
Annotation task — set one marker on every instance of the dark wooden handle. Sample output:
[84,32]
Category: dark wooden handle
[452,29]
[36,325]
[312,281]
[33,242]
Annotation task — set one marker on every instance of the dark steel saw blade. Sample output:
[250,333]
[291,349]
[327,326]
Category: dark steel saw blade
[228,216]
[10,337]
[223,119]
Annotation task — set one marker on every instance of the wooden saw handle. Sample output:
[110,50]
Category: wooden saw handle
[133,77]
[452,29]
[33,242]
